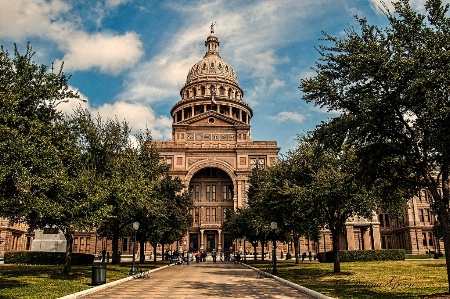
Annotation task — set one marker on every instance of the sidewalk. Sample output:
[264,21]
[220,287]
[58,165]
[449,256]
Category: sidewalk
[203,280]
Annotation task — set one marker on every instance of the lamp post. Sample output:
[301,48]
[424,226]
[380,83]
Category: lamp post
[245,252]
[135,228]
[273,226]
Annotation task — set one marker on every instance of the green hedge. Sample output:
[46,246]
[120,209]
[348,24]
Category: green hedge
[363,255]
[46,258]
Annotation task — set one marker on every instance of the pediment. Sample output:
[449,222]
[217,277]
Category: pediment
[212,118]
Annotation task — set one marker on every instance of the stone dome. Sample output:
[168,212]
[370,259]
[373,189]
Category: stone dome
[212,67]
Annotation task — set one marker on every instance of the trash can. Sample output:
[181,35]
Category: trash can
[98,274]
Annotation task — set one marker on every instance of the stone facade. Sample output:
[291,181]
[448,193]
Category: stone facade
[211,149]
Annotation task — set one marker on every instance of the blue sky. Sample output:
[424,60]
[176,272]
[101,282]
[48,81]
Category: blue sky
[130,58]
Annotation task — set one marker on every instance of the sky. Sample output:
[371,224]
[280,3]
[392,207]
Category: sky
[129,59]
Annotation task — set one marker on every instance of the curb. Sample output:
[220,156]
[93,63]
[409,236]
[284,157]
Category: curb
[310,293]
[109,284]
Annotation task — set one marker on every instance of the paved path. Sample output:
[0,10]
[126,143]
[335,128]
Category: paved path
[200,280]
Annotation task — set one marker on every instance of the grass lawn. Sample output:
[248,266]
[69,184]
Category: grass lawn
[32,281]
[406,279]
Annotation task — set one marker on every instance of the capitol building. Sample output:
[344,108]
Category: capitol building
[213,153]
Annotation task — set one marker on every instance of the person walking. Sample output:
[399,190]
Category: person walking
[214,255]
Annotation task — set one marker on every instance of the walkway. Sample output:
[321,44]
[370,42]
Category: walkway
[200,280]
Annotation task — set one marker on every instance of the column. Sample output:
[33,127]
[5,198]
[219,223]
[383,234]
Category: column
[219,246]
[366,238]
[192,110]
[182,114]
[376,242]
[350,237]
[202,244]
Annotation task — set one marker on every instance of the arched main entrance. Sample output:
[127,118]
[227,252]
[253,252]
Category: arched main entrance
[212,190]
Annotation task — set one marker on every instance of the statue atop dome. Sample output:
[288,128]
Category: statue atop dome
[212,27]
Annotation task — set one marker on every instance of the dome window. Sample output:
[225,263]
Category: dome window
[204,66]
[212,64]
[220,66]
[194,91]
[203,90]
[221,91]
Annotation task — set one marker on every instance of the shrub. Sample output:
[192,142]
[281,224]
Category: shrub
[46,258]
[363,255]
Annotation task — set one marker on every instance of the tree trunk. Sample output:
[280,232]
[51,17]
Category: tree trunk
[297,250]
[255,244]
[68,234]
[141,251]
[336,248]
[262,249]
[154,250]
[115,246]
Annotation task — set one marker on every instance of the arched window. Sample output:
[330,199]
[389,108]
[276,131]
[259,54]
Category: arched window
[203,90]
[194,91]
[221,91]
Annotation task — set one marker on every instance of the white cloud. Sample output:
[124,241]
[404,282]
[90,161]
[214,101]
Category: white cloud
[23,18]
[53,21]
[139,117]
[109,53]
[115,3]
[288,116]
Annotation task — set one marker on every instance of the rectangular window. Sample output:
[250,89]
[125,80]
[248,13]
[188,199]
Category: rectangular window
[197,192]
[259,162]
[208,192]
[430,239]
[230,192]
[75,244]
[213,192]
[424,239]
[197,215]
[208,214]
[421,218]
[387,220]
[224,192]
[381,219]
[213,215]
[427,215]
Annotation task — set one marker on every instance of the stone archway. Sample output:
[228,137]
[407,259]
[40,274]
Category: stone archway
[212,189]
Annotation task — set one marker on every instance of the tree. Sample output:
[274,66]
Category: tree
[337,192]
[246,222]
[126,173]
[43,181]
[172,220]
[393,83]
[298,171]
